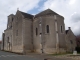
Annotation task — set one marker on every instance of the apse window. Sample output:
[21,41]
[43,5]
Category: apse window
[47,28]
[7,39]
[61,29]
[36,31]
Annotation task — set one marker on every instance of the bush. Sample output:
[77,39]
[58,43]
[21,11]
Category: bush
[78,49]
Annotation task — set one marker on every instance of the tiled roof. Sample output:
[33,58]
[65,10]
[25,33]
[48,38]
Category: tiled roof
[26,15]
[46,12]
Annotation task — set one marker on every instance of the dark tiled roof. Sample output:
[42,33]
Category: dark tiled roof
[46,12]
[26,15]
[66,31]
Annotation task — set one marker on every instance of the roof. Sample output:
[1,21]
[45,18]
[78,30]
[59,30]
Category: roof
[26,15]
[11,15]
[46,12]
[0,41]
[66,31]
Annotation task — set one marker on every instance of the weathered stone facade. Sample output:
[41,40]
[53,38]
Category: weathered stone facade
[42,33]
[2,43]
[70,41]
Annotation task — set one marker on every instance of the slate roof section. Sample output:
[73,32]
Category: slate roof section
[26,15]
[66,31]
[46,12]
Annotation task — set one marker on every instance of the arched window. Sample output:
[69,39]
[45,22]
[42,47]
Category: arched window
[12,19]
[61,29]
[7,39]
[36,31]
[47,28]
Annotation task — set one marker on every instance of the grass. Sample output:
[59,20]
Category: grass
[60,54]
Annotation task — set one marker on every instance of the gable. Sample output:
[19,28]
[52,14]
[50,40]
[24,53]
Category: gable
[46,12]
[70,33]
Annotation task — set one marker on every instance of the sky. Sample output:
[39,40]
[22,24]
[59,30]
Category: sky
[69,9]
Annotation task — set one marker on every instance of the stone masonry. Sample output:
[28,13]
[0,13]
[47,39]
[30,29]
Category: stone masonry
[42,33]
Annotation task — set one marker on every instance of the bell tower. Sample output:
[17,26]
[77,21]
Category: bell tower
[10,20]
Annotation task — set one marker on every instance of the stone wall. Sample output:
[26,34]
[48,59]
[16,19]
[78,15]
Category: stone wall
[2,44]
[41,34]
[61,34]
[27,35]
[70,41]
[47,43]
[8,40]
[17,33]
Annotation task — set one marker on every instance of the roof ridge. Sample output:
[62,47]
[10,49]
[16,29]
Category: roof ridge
[46,12]
[26,13]
[43,13]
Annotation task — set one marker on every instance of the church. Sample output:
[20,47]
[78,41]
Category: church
[40,33]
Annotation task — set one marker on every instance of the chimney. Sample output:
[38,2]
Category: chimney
[69,28]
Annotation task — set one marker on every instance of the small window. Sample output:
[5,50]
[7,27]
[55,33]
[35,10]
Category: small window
[71,41]
[11,26]
[7,39]
[36,31]
[47,28]
[12,19]
[61,29]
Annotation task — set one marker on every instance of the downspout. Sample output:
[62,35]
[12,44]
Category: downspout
[41,34]
[57,37]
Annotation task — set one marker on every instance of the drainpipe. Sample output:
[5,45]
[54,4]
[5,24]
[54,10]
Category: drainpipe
[41,34]
[57,37]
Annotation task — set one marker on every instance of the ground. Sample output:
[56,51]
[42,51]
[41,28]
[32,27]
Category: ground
[13,56]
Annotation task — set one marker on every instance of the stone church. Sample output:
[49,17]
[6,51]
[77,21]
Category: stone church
[40,33]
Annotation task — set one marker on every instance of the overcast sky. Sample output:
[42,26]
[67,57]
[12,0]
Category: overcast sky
[69,9]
